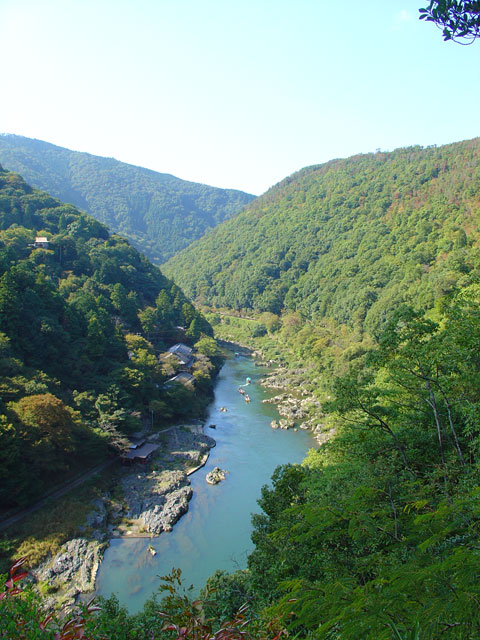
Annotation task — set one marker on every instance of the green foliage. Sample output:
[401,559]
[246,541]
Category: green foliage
[225,593]
[347,241]
[270,320]
[376,535]
[175,617]
[22,614]
[259,330]
[458,19]
[74,375]
[159,213]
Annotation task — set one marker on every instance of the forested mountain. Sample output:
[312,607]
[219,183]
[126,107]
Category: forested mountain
[349,239]
[375,535]
[159,213]
[83,317]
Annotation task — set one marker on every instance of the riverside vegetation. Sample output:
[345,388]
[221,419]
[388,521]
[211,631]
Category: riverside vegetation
[364,272]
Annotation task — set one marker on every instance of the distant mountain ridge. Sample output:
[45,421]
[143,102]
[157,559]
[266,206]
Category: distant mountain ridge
[159,213]
[349,240]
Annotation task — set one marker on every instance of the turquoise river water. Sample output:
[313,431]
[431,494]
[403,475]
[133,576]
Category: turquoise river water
[215,533]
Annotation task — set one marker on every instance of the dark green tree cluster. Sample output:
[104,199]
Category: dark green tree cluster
[348,240]
[159,213]
[82,321]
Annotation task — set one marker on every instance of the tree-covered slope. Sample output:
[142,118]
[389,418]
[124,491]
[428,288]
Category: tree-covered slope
[348,239]
[83,318]
[158,212]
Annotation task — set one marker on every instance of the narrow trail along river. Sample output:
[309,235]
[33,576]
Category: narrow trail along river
[215,533]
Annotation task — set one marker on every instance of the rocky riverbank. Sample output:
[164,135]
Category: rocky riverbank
[153,497]
[73,570]
[157,496]
[296,404]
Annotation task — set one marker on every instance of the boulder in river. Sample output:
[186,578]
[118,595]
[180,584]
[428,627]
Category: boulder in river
[215,475]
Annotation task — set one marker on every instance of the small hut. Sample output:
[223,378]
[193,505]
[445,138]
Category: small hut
[41,242]
[140,454]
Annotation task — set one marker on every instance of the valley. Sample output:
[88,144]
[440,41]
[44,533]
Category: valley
[215,532]
[358,280]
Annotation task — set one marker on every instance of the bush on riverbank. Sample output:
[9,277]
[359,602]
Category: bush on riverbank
[175,616]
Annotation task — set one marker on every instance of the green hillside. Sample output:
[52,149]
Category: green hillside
[375,535]
[348,239]
[83,317]
[159,213]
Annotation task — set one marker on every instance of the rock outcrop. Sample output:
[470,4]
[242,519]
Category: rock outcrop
[73,570]
[297,405]
[157,499]
[216,475]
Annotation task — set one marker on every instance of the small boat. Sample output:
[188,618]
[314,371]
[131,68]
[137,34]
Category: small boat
[223,409]
[248,381]
[240,390]
[247,398]
[152,550]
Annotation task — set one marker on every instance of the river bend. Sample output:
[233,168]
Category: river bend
[215,533]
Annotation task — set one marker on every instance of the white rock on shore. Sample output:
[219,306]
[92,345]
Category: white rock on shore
[73,569]
[157,500]
[296,405]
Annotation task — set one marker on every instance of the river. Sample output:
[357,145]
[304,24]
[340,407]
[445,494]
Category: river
[215,533]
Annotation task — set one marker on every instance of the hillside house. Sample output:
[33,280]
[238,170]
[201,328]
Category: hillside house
[136,441]
[183,354]
[184,378]
[41,242]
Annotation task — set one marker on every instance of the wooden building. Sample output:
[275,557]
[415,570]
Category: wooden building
[184,378]
[141,453]
[183,355]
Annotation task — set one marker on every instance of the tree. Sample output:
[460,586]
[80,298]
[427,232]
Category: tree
[164,308]
[118,296]
[458,19]
[208,347]
[47,429]
[12,470]
[148,319]
[96,338]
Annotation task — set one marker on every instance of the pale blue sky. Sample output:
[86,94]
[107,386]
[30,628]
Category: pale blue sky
[233,93]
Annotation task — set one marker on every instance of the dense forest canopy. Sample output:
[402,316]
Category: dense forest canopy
[159,213]
[83,318]
[349,239]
